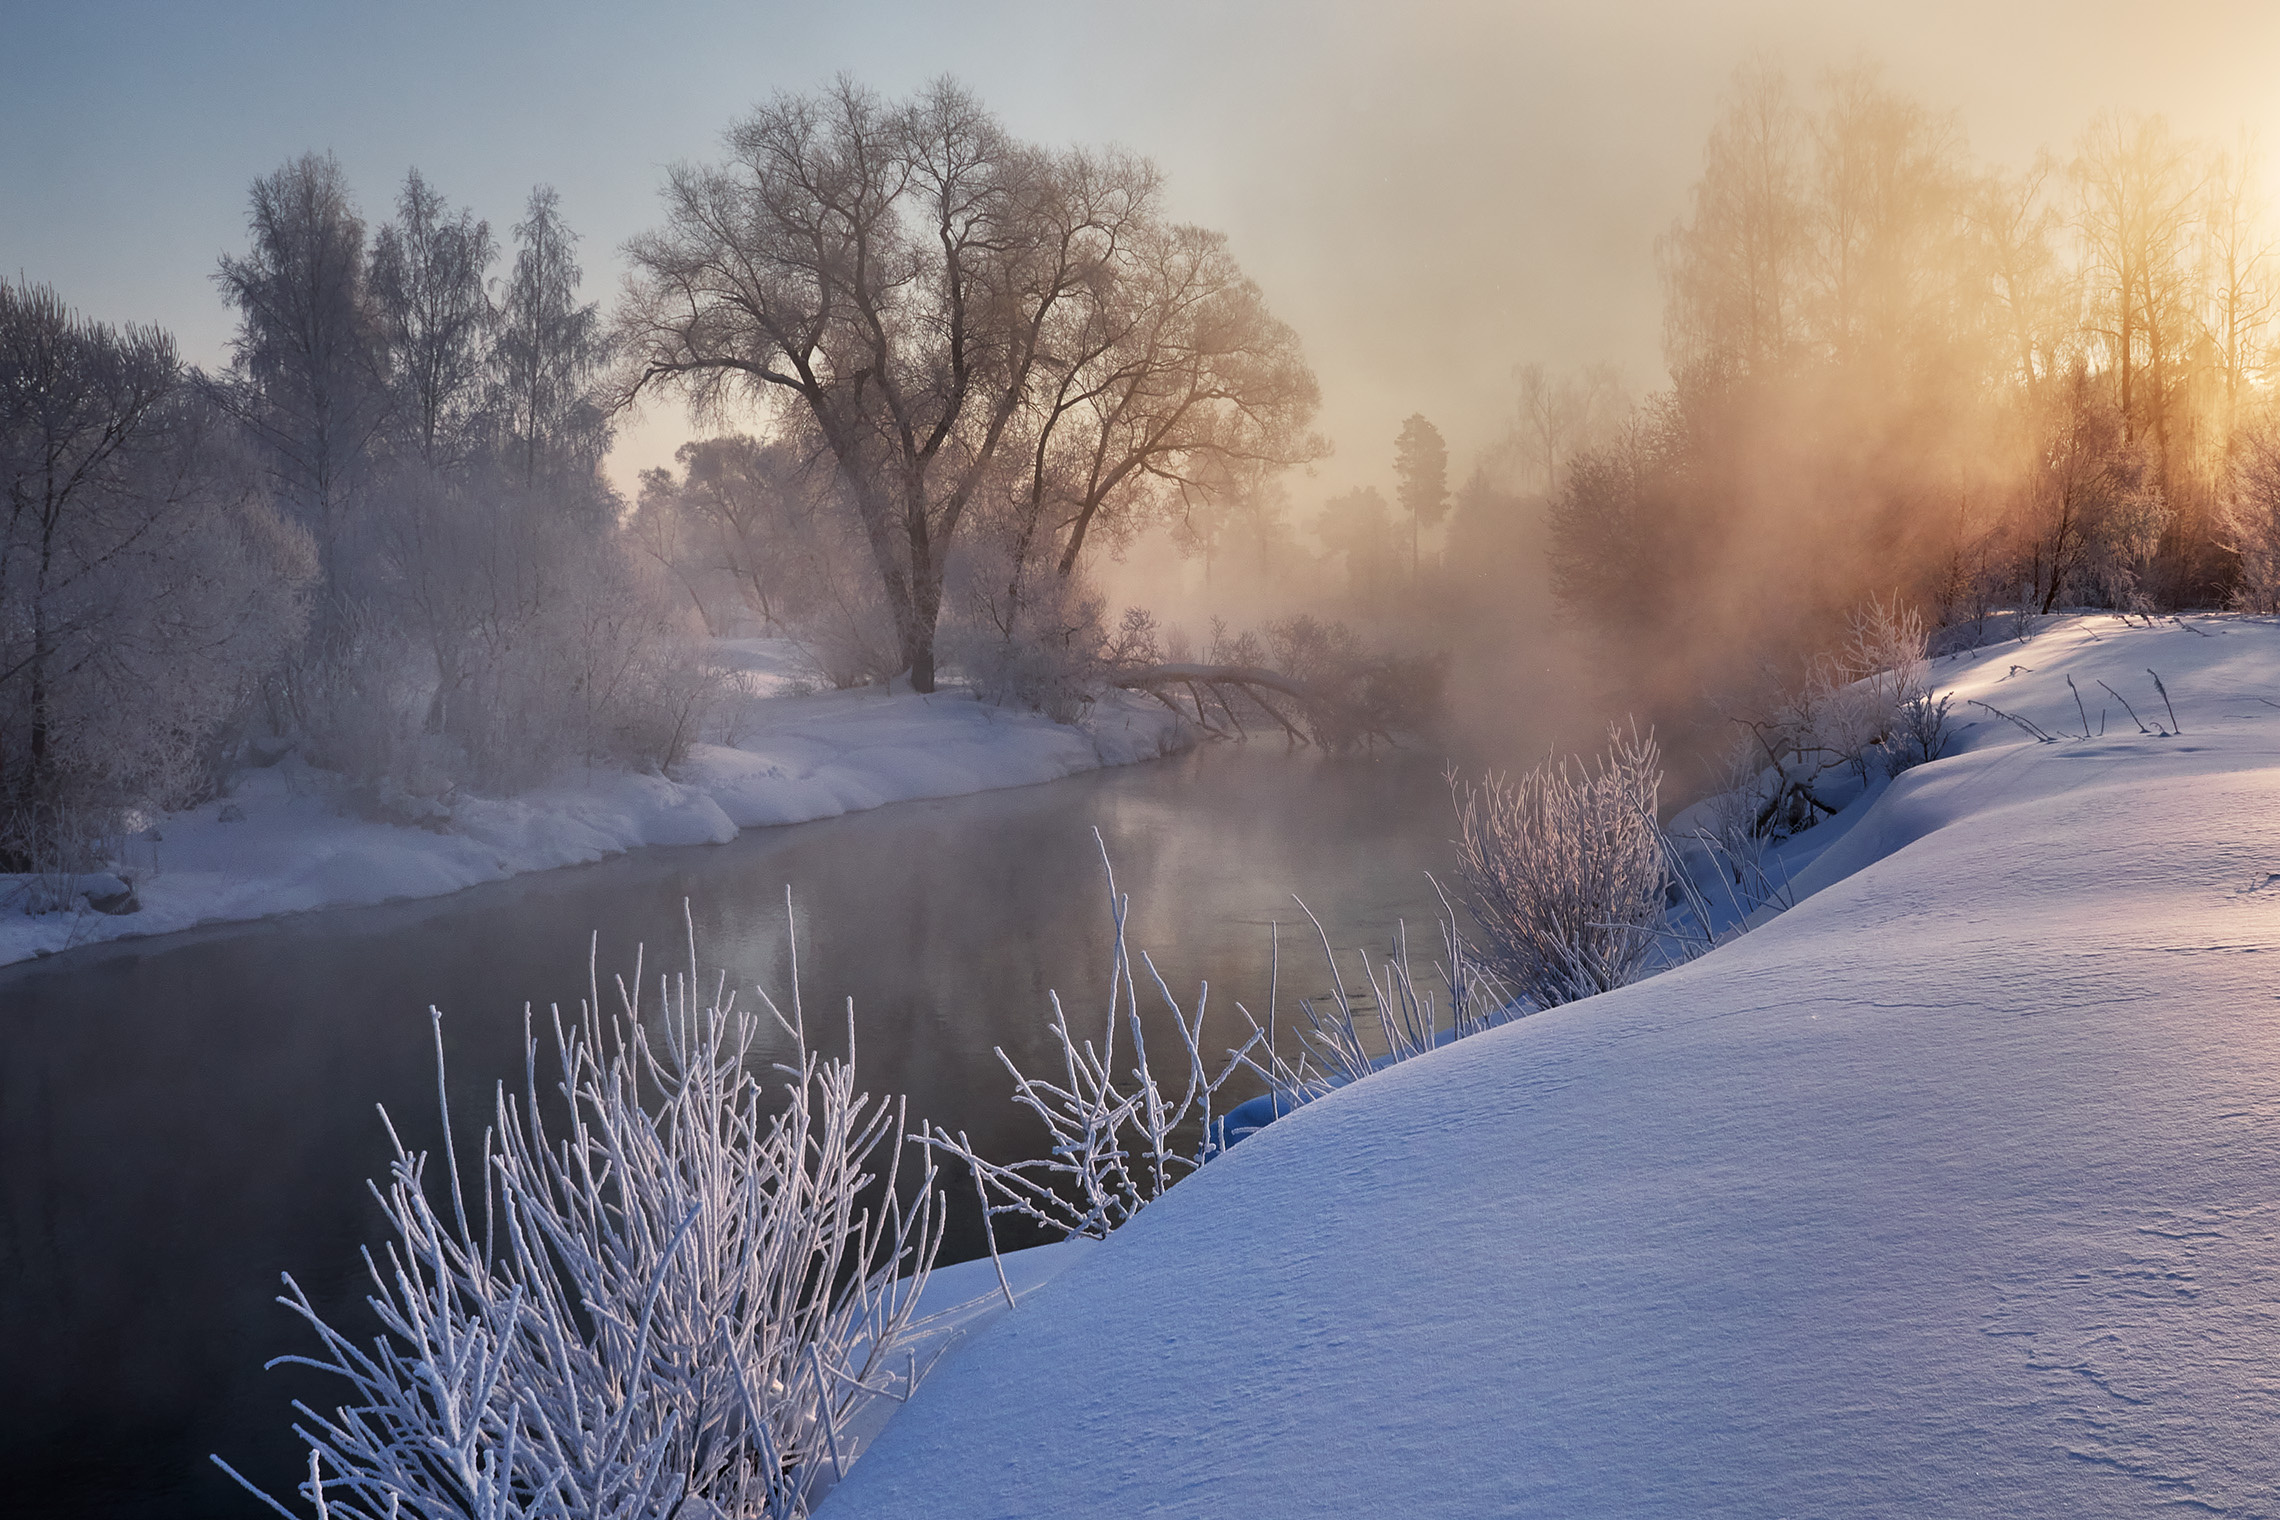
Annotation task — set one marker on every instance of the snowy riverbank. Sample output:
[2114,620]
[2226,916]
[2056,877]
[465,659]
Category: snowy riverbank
[1955,1189]
[289,843]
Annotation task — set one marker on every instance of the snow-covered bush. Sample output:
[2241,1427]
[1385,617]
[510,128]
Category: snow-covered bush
[1566,871]
[1868,705]
[670,1307]
[1117,1138]
[2250,518]
[1731,836]
[1335,1048]
[502,638]
[1053,650]
[1920,733]
[1889,657]
[146,582]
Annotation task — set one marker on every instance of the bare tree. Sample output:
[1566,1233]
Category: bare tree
[909,280]
[143,586]
[1612,525]
[1174,376]
[1358,526]
[429,292]
[2237,251]
[2093,512]
[550,353]
[307,377]
[1558,417]
[2035,295]
[2139,192]
[2251,518]
[1733,272]
[81,401]
[1887,220]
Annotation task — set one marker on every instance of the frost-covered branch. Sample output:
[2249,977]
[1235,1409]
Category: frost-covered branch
[1335,1048]
[1314,715]
[1566,871]
[1114,1130]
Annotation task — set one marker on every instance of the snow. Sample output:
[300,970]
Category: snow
[1953,1189]
[290,844]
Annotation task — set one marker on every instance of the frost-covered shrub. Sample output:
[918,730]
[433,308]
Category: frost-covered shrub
[1118,1137]
[503,638]
[1921,734]
[850,637]
[1117,1140]
[360,706]
[1566,871]
[1732,832]
[1889,653]
[146,582]
[672,1298]
[1061,658]
[1042,641]
[1865,706]
[2251,520]
[1404,1016]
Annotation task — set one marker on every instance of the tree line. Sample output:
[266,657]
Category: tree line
[1897,369]
[943,366]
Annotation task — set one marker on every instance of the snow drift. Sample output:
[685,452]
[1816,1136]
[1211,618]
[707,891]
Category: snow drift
[1954,1189]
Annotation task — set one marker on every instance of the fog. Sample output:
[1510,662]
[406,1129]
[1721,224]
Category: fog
[1430,195]
[1431,204]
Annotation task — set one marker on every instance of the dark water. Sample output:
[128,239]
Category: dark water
[182,1119]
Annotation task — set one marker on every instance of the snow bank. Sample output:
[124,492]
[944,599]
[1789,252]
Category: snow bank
[1954,1189]
[288,845]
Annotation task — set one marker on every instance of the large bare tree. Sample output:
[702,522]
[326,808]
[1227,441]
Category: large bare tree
[931,300]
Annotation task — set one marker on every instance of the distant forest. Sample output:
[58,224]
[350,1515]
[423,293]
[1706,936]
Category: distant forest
[1900,371]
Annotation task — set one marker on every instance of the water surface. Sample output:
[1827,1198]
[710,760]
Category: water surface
[182,1119]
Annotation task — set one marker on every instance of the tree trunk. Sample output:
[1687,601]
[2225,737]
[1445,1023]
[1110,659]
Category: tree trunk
[919,625]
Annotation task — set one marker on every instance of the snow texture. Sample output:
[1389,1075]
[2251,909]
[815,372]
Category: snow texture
[290,843]
[1955,1189]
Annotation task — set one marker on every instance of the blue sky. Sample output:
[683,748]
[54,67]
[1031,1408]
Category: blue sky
[1430,194]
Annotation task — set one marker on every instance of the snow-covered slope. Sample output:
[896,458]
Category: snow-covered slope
[1953,1190]
[290,843]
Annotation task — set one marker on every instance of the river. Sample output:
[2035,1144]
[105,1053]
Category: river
[184,1118]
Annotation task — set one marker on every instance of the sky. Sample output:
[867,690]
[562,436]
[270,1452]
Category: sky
[1430,194]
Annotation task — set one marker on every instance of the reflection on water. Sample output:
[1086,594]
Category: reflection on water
[183,1119]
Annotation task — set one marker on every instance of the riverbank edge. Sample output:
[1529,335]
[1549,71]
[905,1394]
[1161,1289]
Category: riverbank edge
[1934,955]
[287,839]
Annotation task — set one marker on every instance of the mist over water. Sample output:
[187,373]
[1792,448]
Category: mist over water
[185,1119]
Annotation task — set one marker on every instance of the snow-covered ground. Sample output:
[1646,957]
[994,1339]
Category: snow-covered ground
[1955,1189]
[290,843]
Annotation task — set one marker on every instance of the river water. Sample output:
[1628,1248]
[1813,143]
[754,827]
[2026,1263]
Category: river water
[183,1119]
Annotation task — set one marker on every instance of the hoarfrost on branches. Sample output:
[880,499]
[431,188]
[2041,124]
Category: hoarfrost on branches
[671,1308]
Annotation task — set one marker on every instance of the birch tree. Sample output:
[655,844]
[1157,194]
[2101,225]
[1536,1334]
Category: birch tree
[549,353]
[428,281]
[307,375]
